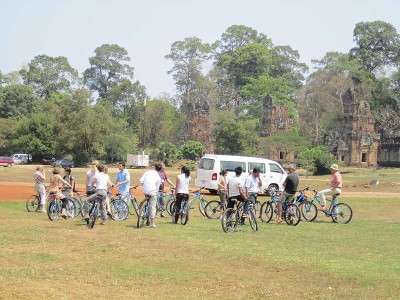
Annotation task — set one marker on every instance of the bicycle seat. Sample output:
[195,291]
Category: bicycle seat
[53,193]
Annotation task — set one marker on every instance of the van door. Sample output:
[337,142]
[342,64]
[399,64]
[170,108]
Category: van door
[277,174]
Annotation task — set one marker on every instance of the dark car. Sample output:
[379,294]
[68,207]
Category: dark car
[48,160]
[6,161]
[63,163]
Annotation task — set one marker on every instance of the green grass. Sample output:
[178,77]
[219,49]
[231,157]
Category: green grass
[321,260]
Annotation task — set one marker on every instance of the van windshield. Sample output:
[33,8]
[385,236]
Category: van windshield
[231,165]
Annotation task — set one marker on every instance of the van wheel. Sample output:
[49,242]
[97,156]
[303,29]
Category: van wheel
[8,165]
[272,189]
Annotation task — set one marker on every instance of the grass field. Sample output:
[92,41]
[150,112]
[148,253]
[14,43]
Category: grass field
[40,259]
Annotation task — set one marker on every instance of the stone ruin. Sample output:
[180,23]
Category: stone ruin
[355,141]
[389,148]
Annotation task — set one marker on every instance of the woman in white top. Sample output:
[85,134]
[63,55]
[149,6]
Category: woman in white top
[182,189]
[90,189]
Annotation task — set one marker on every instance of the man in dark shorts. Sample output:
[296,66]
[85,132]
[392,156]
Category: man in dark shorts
[290,188]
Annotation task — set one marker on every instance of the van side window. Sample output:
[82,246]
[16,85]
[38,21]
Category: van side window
[206,164]
[231,165]
[275,168]
[253,165]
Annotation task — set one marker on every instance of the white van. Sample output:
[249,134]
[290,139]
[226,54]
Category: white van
[22,159]
[272,173]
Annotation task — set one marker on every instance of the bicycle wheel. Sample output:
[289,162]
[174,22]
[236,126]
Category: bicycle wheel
[341,213]
[32,203]
[70,209]
[202,206]
[308,210]
[167,205]
[171,209]
[257,208]
[292,215]
[135,206]
[185,214]
[142,216]
[229,220]
[92,216]
[253,220]
[78,206]
[266,212]
[119,210]
[54,210]
[213,209]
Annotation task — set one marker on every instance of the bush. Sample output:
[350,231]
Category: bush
[317,160]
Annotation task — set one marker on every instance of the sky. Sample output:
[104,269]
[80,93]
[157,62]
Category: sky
[147,29]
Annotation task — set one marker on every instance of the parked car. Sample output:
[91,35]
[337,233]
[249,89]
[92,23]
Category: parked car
[6,161]
[63,163]
[21,158]
[48,160]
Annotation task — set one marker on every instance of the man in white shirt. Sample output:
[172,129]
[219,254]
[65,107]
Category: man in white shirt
[151,181]
[252,186]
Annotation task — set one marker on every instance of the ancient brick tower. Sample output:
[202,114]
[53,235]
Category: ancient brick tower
[389,148]
[198,126]
[355,140]
[276,119]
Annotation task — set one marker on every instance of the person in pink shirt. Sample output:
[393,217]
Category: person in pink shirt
[335,186]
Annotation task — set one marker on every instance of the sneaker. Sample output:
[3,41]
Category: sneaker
[162,215]
[153,226]
[103,223]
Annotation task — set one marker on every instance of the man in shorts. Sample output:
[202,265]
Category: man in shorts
[290,185]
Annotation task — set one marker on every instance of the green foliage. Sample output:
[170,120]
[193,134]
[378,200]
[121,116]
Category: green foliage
[107,68]
[16,101]
[316,160]
[166,152]
[7,127]
[35,135]
[191,150]
[47,74]
[378,44]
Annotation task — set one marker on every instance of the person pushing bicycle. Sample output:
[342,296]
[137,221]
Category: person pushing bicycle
[290,185]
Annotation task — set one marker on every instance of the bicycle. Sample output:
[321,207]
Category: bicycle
[94,212]
[340,212]
[32,203]
[166,205]
[290,211]
[118,207]
[233,217]
[55,207]
[130,199]
[197,195]
[144,213]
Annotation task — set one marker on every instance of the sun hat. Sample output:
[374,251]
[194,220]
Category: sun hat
[335,167]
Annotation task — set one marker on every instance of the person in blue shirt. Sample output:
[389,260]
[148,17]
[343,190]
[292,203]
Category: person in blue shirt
[123,180]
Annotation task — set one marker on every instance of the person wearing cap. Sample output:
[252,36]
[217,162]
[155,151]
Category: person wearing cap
[335,186]
[290,185]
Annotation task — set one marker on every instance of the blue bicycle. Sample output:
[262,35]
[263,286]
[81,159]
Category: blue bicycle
[118,207]
[202,205]
[55,206]
[144,213]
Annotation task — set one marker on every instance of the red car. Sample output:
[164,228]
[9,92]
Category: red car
[6,161]
[48,160]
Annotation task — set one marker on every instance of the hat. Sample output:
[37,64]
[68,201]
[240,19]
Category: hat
[335,167]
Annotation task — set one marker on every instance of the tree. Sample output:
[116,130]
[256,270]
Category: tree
[107,68]
[191,150]
[378,45]
[316,160]
[188,57]
[166,152]
[230,137]
[48,75]
[7,127]
[16,101]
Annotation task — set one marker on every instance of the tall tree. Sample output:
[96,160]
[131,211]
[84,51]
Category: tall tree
[107,68]
[378,45]
[48,75]
[188,57]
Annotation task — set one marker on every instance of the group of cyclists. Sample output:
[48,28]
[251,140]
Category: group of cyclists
[153,181]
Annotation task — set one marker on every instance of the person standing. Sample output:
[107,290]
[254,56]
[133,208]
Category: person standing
[90,190]
[67,191]
[252,186]
[151,181]
[222,190]
[123,180]
[182,190]
[290,185]
[335,186]
[40,176]
[164,178]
